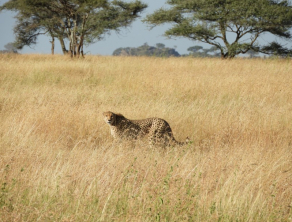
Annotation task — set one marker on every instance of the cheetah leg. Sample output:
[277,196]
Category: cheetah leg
[152,138]
[159,139]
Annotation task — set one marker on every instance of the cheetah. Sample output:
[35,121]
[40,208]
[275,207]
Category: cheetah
[158,130]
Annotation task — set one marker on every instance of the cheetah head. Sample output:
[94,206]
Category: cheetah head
[109,117]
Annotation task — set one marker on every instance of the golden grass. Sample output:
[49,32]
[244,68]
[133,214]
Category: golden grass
[58,161]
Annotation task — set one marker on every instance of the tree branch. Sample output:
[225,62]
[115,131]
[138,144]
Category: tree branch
[34,35]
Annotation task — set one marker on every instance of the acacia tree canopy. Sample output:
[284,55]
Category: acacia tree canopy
[232,26]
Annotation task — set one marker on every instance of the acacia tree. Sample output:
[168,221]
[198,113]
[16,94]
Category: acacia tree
[87,21]
[10,47]
[210,21]
[195,48]
[80,21]
[34,18]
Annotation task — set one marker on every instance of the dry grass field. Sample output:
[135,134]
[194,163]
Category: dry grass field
[58,161]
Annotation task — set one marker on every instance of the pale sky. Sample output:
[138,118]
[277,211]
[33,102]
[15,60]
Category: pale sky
[134,36]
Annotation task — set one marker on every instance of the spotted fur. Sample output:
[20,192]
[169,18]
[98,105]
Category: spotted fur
[158,130]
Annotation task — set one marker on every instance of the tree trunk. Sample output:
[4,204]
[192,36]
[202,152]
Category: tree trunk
[227,55]
[72,45]
[82,51]
[80,47]
[81,40]
[52,42]
[53,46]
[64,50]
[74,39]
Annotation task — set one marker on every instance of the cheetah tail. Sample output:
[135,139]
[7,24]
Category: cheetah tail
[188,141]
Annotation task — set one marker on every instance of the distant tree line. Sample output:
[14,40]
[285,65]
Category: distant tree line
[83,22]
[145,50]
[199,51]
[162,51]
[9,48]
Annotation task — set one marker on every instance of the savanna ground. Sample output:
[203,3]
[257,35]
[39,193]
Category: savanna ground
[58,161]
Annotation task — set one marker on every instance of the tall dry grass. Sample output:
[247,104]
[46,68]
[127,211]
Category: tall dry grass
[58,161]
